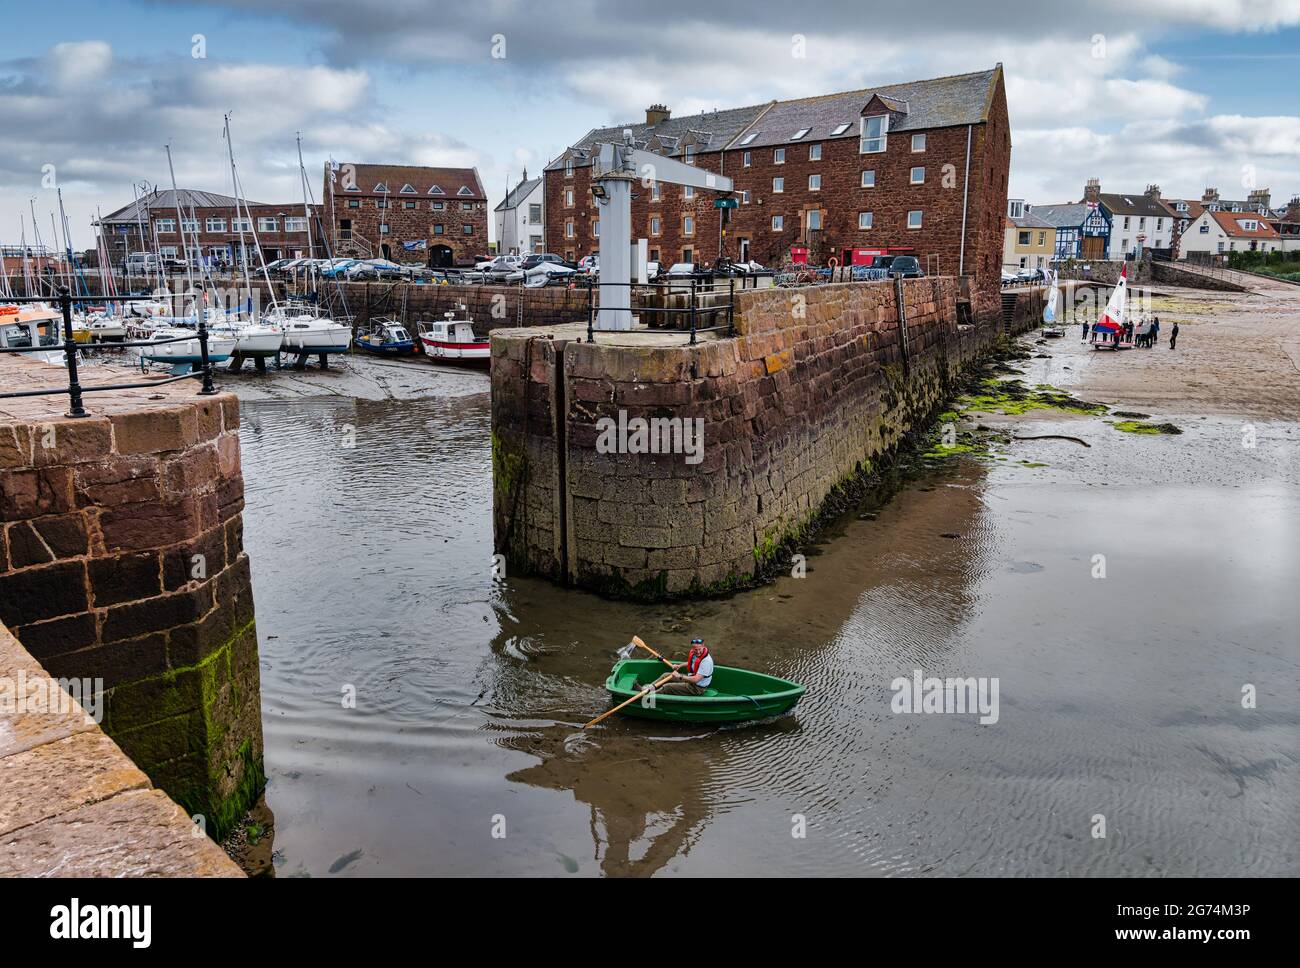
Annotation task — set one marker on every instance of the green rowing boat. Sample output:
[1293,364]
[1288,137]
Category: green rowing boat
[733,696]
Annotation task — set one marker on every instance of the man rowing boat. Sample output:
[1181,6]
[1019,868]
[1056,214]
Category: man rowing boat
[690,678]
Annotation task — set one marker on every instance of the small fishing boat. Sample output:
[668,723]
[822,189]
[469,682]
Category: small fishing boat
[452,340]
[387,337]
[33,325]
[734,695]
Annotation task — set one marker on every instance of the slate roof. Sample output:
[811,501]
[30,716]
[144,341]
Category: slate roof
[712,130]
[936,103]
[1135,205]
[1031,220]
[1067,216]
[518,194]
[939,103]
[164,201]
[420,178]
[1194,207]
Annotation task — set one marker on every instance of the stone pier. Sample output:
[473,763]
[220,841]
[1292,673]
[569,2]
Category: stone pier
[121,559]
[817,385]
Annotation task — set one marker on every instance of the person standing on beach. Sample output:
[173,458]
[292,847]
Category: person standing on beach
[1173,335]
[1084,338]
[1155,331]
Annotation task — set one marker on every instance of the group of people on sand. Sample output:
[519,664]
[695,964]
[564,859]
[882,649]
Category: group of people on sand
[1144,334]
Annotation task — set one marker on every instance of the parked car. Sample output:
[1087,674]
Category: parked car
[1008,277]
[683,269]
[906,267]
[883,261]
[1026,274]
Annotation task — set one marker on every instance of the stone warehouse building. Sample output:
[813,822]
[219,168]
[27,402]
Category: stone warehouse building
[918,168]
[212,222]
[406,213]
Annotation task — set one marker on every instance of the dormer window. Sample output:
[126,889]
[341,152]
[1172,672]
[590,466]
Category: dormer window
[1250,225]
[435,190]
[465,190]
[407,190]
[749,138]
[875,132]
[381,187]
[688,154]
[799,134]
[568,167]
[1015,208]
[841,128]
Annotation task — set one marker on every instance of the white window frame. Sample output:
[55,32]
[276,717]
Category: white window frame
[920,218]
[911,176]
[778,186]
[214,223]
[688,226]
[880,142]
[778,223]
[800,134]
[814,183]
[815,152]
[921,136]
[778,156]
[862,179]
[268,223]
[295,223]
[814,213]
[746,159]
[688,192]
[869,218]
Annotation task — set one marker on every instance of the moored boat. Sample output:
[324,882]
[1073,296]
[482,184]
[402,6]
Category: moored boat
[734,695]
[452,340]
[386,337]
[34,325]
[182,355]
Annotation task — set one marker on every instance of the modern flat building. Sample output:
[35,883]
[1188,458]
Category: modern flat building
[406,213]
[520,223]
[212,227]
[918,168]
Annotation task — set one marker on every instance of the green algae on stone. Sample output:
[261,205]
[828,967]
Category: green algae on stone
[1012,398]
[1137,427]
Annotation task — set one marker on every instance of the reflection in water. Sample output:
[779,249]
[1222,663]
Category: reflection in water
[373,573]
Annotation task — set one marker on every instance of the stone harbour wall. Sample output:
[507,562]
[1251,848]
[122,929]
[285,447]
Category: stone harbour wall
[74,805]
[818,384]
[121,558]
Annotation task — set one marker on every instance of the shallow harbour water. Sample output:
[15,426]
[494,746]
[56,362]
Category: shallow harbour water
[1118,696]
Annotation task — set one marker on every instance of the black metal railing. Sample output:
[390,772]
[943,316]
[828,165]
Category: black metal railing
[69,346]
[692,309]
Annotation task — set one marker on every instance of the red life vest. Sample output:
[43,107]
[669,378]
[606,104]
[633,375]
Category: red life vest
[694,659]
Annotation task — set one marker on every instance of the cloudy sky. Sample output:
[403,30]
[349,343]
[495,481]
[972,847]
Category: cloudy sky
[1185,93]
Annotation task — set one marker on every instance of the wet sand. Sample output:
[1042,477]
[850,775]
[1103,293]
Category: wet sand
[1119,696]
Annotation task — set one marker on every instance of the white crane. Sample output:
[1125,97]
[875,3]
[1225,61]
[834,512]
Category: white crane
[616,168]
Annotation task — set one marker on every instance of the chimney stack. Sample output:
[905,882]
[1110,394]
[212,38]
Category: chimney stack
[1209,195]
[657,114]
[1153,192]
[1259,197]
[1293,210]
[1092,190]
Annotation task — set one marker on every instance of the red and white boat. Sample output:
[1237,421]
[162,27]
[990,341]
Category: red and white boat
[1109,331]
[452,340]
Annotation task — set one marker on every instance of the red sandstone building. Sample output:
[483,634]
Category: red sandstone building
[210,223]
[918,168]
[437,216]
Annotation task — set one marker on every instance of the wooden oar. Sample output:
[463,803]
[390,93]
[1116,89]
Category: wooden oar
[609,712]
[637,641]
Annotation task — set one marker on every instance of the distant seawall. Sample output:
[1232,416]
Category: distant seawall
[818,384]
[121,558]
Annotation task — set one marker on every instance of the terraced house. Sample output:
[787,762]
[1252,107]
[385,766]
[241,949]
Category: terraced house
[406,213]
[918,168]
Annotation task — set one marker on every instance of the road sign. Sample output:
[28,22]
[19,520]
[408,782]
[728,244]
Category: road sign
[726,203]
